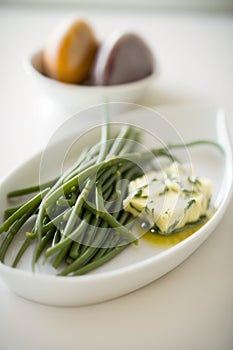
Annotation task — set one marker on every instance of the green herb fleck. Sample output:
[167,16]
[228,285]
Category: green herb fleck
[194,180]
[172,227]
[132,206]
[155,229]
[138,193]
[201,219]
[191,202]
[145,186]
[187,192]
[208,203]
[147,210]
[166,189]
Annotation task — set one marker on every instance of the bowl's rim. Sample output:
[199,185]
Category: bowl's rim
[33,72]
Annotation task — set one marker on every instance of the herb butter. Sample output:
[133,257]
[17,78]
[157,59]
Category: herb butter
[169,199]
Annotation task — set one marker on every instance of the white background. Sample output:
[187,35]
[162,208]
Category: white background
[192,306]
[212,5]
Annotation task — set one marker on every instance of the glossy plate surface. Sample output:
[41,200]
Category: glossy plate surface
[137,265]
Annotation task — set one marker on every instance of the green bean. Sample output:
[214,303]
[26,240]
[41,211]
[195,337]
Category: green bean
[45,239]
[100,224]
[99,200]
[70,223]
[55,221]
[69,171]
[129,146]
[9,211]
[119,142]
[74,235]
[118,203]
[101,208]
[85,161]
[104,142]
[90,160]
[85,257]
[34,202]
[29,190]
[83,175]
[122,194]
[74,250]
[14,230]
[64,202]
[101,251]
[57,185]
[111,241]
[82,167]
[160,151]
[123,229]
[80,261]
[39,223]
[124,220]
[85,240]
[89,234]
[96,263]
[112,223]
[60,256]
[105,175]
[56,237]
[69,260]
[108,184]
[77,248]
[24,246]
[197,143]
[124,217]
[59,217]
[39,229]
[108,192]
[78,206]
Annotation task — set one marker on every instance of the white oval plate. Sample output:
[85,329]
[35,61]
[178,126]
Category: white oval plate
[135,266]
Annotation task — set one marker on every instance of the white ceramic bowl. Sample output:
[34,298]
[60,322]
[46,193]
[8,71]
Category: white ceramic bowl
[136,266]
[74,95]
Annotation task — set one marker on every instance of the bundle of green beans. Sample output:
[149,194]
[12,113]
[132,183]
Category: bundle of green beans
[77,219]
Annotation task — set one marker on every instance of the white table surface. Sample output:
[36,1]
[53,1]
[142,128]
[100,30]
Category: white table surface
[192,306]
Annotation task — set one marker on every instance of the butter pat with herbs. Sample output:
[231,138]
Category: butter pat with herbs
[169,199]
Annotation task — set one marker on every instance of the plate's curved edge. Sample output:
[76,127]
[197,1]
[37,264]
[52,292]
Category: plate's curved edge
[224,140]
[223,137]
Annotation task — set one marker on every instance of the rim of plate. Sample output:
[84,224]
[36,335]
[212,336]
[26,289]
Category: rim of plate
[209,225]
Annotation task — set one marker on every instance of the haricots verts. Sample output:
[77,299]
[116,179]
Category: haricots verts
[77,220]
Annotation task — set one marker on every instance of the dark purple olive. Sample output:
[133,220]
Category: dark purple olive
[122,59]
